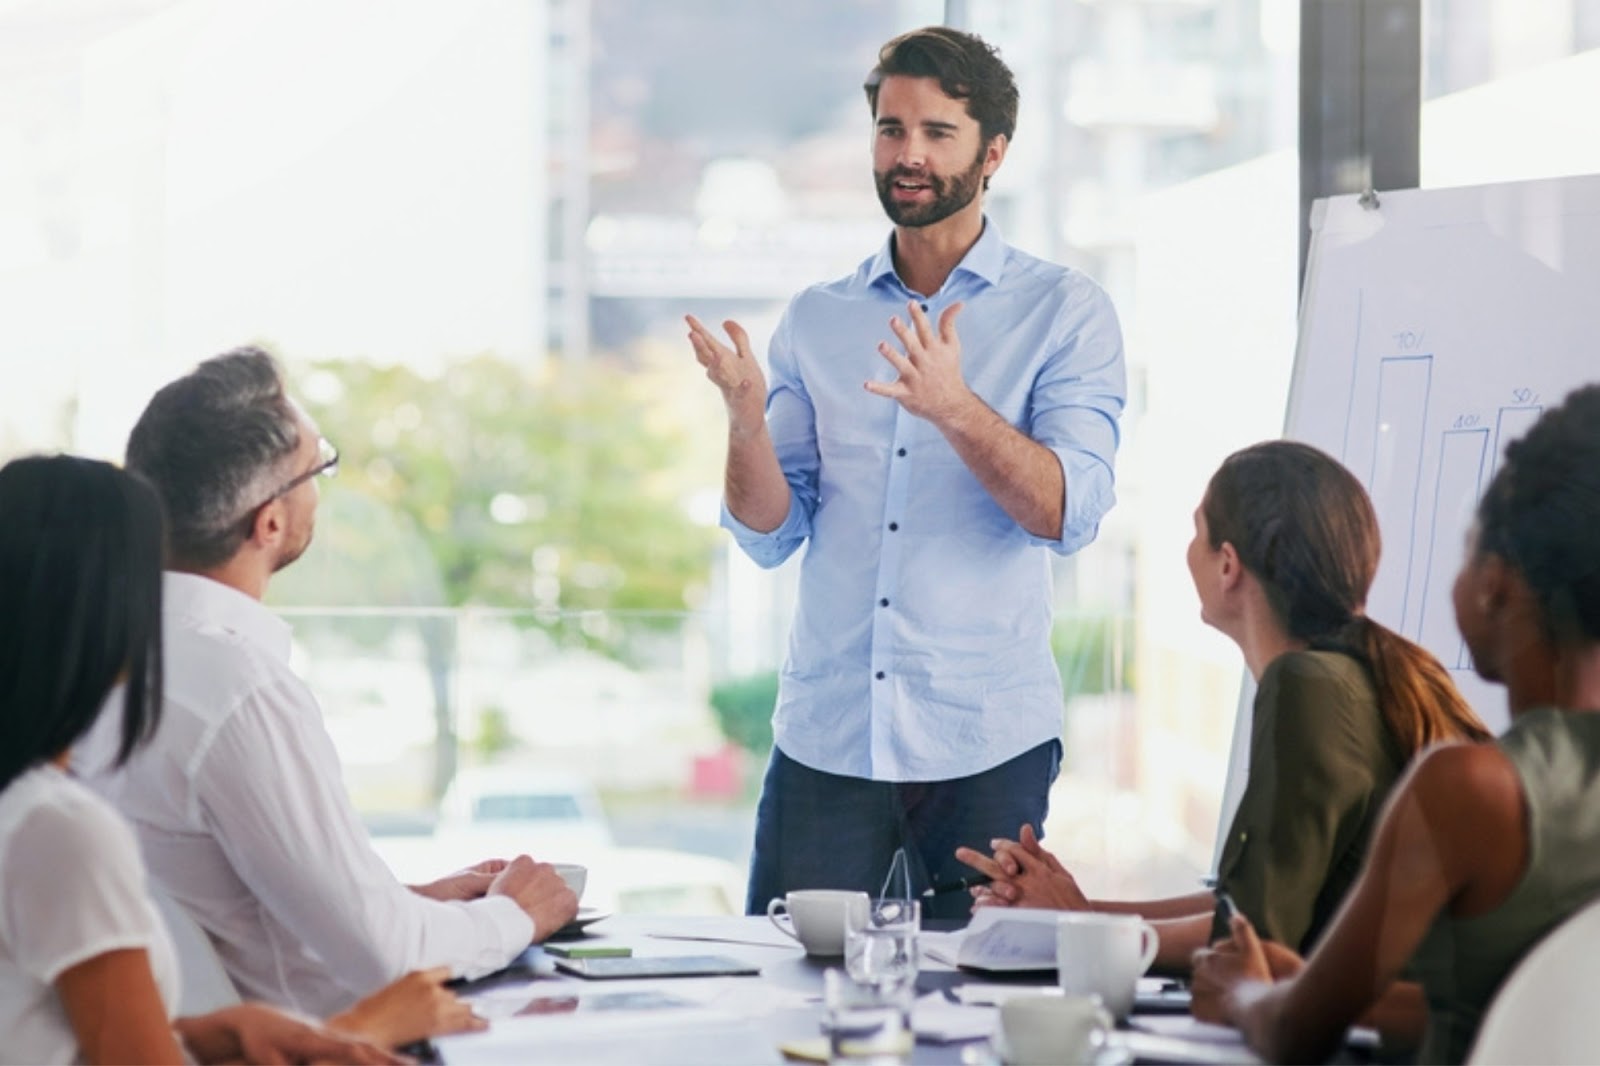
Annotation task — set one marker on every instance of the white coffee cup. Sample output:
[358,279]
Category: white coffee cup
[1044,1029]
[575,874]
[1104,955]
[820,917]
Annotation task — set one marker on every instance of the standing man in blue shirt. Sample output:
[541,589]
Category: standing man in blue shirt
[936,424]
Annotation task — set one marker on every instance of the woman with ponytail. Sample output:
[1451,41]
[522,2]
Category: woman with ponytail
[1483,849]
[1285,550]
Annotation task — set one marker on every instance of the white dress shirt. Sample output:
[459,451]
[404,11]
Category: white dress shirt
[72,889]
[240,807]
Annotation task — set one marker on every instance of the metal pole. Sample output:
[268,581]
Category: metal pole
[1360,100]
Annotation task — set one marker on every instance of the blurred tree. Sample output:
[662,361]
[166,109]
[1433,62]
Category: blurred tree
[744,710]
[557,489]
[1092,655]
[560,490]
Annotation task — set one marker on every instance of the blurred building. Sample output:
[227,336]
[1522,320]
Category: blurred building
[336,178]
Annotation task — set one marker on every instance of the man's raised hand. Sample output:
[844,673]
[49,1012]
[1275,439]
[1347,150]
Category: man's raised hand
[734,370]
[930,383]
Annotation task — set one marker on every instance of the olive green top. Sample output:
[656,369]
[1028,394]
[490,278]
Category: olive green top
[1461,962]
[1322,762]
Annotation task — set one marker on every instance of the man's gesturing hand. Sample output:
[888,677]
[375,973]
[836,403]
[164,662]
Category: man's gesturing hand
[930,383]
[733,370]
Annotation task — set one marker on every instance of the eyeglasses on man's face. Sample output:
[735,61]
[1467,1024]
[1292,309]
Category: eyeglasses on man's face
[327,465]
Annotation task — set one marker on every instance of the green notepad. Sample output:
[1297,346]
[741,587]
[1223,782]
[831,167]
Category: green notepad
[588,951]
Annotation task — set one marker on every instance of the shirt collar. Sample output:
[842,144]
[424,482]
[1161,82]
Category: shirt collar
[212,603]
[986,259]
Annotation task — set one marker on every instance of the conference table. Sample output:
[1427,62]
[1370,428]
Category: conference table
[539,1014]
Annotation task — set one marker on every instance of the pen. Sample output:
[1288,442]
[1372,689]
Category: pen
[959,885]
[1227,910]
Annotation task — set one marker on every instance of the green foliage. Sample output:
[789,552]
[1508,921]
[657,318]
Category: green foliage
[744,710]
[495,736]
[494,486]
[1087,650]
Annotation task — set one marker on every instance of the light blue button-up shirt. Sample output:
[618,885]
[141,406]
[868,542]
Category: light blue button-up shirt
[920,649]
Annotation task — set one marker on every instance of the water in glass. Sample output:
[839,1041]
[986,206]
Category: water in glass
[883,952]
[867,1025]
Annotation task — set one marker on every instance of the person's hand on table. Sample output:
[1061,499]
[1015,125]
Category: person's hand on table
[469,883]
[257,1033]
[1023,874]
[1224,966]
[539,891]
[413,1008]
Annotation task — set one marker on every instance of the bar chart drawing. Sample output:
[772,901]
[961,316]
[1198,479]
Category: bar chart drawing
[1355,361]
[1436,327]
[1398,434]
[1510,424]
[1463,465]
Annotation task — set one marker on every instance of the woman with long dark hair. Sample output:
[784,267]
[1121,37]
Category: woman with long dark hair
[87,970]
[1484,848]
[1285,550]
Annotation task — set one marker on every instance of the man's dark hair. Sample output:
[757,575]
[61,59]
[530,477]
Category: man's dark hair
[1542,509]
[966,69]
[213,443]
[80,606]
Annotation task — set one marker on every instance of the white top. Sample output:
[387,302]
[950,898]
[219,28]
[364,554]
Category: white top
[240,806]
[71,887]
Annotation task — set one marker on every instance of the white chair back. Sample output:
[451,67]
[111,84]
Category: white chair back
[205,982]
[1545,1012]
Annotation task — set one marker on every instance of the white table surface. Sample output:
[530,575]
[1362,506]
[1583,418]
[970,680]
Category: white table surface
[540,1015]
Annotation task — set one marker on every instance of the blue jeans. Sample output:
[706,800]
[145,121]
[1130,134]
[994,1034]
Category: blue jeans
[820,830]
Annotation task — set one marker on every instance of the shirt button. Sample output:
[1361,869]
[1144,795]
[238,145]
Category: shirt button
[878,675]
[900,451]
[883,602]
[924,307]
[893,526]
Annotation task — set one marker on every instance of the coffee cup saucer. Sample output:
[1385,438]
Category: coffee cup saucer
[991,1052]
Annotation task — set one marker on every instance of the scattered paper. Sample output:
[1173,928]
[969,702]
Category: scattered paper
[1000,939]
[1187,1027]
[1182,1039]
[756,931]
[687,1036]
[977,994]
[936,1019]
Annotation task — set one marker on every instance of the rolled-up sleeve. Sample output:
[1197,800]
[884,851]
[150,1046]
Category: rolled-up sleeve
[791,423]
[1077,400]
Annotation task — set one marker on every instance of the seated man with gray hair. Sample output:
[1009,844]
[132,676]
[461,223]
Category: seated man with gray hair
[239,801]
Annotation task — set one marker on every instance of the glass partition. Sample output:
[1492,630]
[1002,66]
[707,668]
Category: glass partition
[1502,87]
[471,232]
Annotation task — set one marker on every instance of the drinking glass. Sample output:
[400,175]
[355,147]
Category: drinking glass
[867,1024]
[883,952]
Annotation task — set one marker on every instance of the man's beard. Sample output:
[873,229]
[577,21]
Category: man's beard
[949,194]
[292,552]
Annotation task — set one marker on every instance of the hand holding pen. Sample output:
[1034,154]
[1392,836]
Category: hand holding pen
[1022,873]
[960,884]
